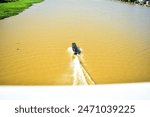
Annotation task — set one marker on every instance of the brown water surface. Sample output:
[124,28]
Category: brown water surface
[115,39]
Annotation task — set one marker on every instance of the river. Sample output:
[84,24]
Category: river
[115,38]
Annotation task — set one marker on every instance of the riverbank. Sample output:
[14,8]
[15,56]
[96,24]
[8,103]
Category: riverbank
[140,2]
[8,9]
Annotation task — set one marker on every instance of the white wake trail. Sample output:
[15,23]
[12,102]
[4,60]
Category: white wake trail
[80,75]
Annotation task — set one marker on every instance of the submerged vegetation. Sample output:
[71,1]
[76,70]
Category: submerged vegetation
[13,7]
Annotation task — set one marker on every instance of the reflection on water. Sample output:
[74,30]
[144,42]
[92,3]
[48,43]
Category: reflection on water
[114,37]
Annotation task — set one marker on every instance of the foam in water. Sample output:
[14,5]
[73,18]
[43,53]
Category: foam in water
[80,75]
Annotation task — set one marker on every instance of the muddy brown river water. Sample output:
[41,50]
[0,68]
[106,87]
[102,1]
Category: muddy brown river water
[115,38]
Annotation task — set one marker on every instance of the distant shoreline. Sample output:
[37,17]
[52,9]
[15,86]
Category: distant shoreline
[8,9]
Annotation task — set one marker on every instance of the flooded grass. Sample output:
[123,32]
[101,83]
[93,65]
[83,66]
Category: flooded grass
[8,9]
